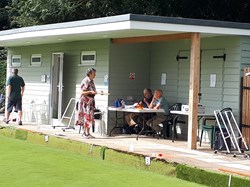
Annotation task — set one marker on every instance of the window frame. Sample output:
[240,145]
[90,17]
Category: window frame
[88,62]
[36,64]
[16,57]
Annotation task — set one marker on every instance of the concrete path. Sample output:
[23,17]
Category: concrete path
[176,152]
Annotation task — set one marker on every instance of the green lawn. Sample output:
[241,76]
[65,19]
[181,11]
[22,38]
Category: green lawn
[26,164]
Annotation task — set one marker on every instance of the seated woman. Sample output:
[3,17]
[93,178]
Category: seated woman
[158,102]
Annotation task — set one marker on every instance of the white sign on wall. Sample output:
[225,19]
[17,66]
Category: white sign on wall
[163,78]
[212,80]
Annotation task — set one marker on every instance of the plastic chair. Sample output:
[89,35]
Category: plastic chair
[172,120]
[207,128]
[27,110]
[212,128]
[40,112]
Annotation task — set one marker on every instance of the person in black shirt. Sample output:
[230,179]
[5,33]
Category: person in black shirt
[148,96]
[14,94]
[135,120]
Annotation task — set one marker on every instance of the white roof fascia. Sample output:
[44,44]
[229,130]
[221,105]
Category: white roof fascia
[188,28]
[153,25]
[68,31]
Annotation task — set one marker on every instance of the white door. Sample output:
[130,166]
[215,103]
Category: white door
[57,85]
[212,76]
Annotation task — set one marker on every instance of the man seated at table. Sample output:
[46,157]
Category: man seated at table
[158,102]
[135,120]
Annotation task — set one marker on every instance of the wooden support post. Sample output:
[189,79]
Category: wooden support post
[246,107]
[194,90]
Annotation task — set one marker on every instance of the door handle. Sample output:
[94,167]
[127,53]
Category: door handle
[60,88]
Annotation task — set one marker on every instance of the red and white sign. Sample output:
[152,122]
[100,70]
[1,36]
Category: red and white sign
[132,76]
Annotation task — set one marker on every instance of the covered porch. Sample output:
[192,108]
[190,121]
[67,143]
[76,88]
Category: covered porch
[173,63]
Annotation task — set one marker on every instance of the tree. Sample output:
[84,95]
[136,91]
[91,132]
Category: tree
[3,54]
[36,12]
[4,17]
[4,24]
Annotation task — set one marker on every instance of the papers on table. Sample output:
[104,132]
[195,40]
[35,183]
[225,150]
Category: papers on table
[131,108]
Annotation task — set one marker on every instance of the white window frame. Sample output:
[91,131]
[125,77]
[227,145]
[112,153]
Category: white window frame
[15,64]
[88,62]
[36,64]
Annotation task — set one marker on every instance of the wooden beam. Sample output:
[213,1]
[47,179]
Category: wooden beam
[157,38]
[194,90]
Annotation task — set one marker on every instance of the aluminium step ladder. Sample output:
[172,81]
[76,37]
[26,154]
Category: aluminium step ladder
[72,102]
[223,120]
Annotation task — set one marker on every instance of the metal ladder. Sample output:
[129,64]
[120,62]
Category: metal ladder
[70,118]
[71,101]
[226,122]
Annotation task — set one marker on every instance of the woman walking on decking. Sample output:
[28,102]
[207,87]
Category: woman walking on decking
[87,103]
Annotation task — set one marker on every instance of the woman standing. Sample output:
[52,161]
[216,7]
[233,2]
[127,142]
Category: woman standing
[87,103]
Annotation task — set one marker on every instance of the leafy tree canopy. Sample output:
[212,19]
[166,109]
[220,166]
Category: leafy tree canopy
[35,12]
[4,17]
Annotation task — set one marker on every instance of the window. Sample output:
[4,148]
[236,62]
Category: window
[36,60]
[88,58]
[16,61]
